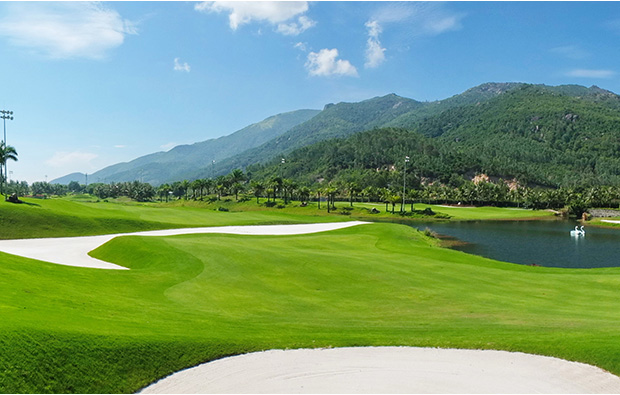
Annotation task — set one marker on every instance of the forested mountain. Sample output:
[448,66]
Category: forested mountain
[345,119]
[539,135]
[182,160]
[336,120]
[65,180]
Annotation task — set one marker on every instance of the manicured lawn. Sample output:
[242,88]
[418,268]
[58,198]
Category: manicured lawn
[189,299]
[466,213]
[68,217]
[80,217]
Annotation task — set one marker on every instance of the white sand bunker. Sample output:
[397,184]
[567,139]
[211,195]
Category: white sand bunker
[388,370]
[73,251]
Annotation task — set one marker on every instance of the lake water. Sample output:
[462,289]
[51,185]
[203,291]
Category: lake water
[543,243]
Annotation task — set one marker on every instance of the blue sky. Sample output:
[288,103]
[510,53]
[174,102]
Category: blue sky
[93,84]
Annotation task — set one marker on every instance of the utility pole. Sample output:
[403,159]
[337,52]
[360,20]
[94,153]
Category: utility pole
[402,208]
[4,114]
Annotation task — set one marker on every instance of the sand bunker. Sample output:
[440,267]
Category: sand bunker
[73,251]
[388,370]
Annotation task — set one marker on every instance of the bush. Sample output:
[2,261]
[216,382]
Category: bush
[428,211]
[430,233]
[269,204]
[222,209]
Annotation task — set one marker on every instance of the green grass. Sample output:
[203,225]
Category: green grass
[70,217]
[193,298]
[465,213]
[80,216]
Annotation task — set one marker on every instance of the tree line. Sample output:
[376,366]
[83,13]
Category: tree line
[273,190]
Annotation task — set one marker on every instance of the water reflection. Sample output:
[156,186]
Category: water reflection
[543,243]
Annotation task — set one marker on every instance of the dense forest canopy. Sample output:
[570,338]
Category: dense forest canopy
[536,135]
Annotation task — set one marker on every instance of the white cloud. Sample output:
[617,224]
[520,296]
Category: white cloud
[71,159]
[422,18]
[325,63]
[181,66]
[65,29]
[296,28]
[120,146]
[301,46]
[375,54]
[243,12]
[590,73]
[571,52]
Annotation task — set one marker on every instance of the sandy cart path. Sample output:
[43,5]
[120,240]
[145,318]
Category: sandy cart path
[73,251]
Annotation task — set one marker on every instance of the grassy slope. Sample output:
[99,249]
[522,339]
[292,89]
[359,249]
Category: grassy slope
[189,299]
[64,217]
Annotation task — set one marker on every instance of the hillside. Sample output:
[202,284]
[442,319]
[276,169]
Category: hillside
[552,136]
[345,119]
[181,160]
[538,134]
[65,180]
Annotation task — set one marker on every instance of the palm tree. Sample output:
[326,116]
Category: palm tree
[276,184]
[236,188]
[196,189]
[288,187]
[304,193]
[353,188]
[164,191]
[7,152]
[258,188]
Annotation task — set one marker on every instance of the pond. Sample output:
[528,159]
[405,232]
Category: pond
[543,243]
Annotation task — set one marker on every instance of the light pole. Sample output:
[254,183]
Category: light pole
[402,208]
[4,114]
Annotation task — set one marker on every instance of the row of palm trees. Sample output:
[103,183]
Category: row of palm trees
[231,184]
[469,193]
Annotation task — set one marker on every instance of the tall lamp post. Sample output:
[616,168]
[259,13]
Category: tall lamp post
[4,114]
[402,209]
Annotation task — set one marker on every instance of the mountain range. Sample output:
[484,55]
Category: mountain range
[512,129]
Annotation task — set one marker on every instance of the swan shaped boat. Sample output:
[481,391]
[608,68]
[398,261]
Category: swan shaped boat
[578,232]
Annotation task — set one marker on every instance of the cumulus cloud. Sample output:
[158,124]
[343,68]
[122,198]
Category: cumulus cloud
[296,28]
[375,54]
[326,63]
[590,73]
[273,12]
[178,66]
[76,158]
[65,29]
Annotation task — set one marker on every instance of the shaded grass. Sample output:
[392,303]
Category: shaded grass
[193,298]
[68,217]
[80,217]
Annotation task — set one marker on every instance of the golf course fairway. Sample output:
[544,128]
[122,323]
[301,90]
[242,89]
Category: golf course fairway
[189,299]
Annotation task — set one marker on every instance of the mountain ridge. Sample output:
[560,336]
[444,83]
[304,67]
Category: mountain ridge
[167,166]
[334,121]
